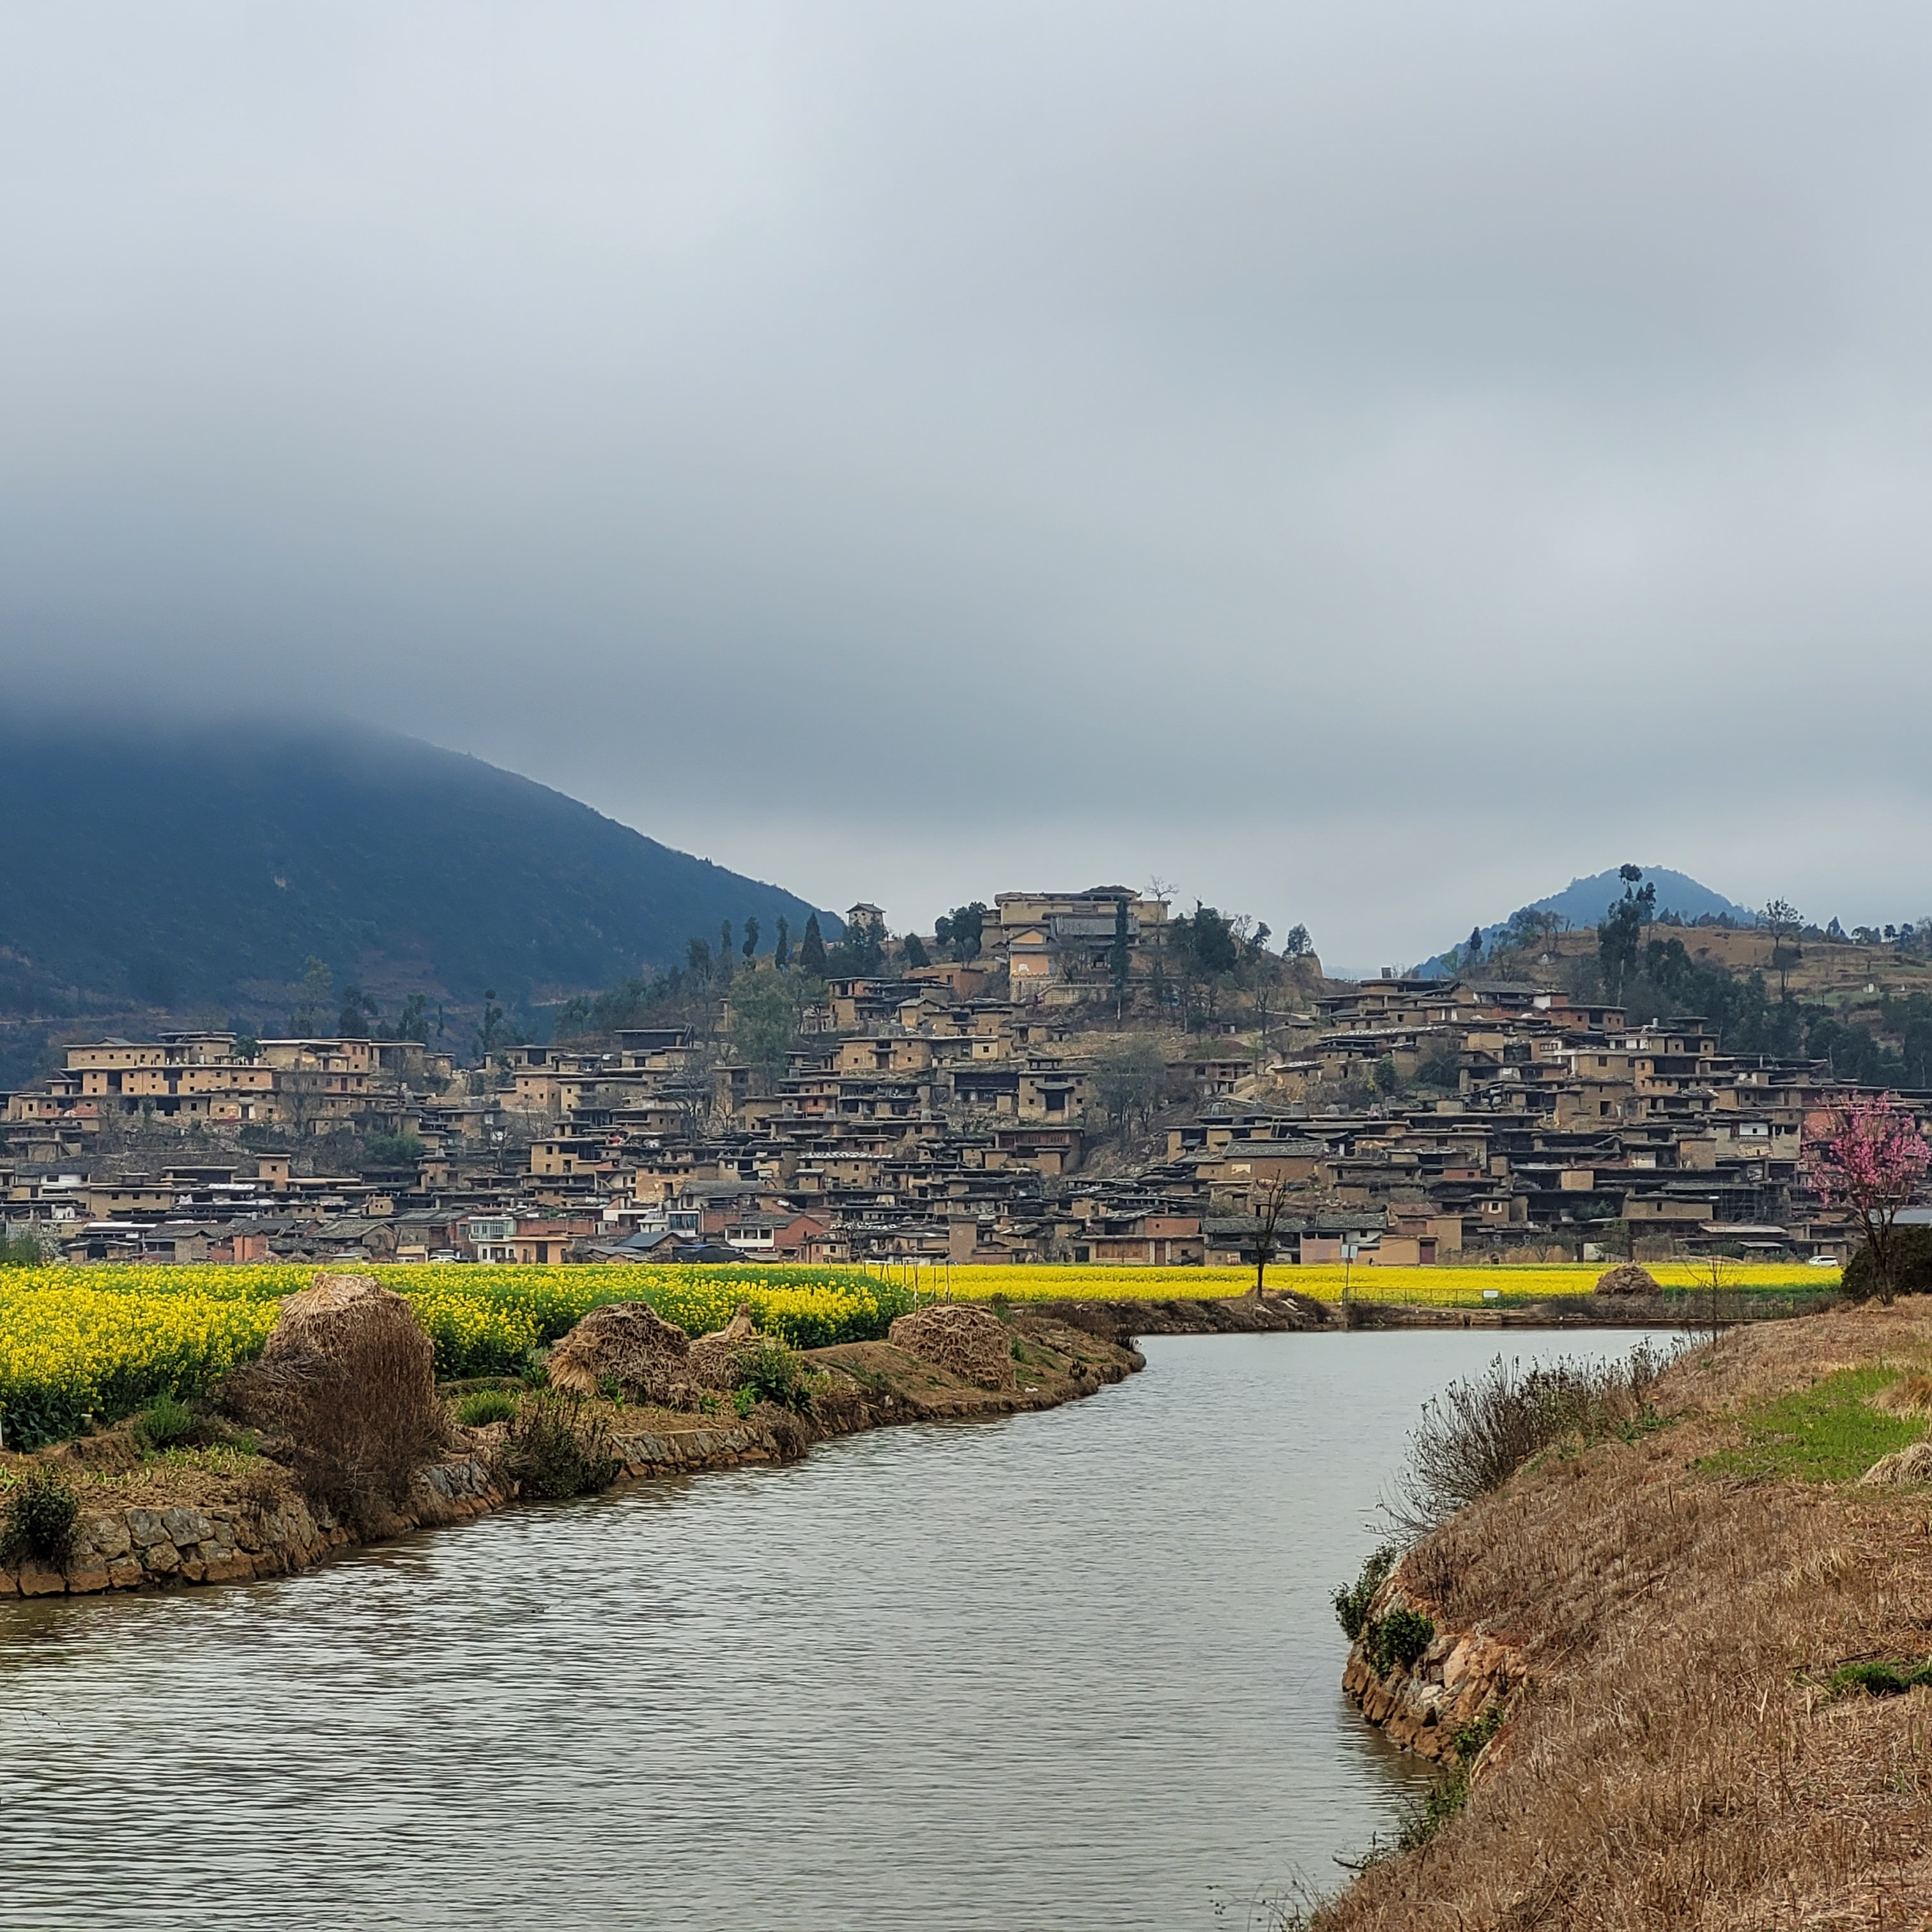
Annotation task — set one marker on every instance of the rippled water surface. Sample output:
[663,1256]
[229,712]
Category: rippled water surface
[1071,1670]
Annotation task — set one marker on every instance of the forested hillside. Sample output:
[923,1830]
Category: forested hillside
[200,870]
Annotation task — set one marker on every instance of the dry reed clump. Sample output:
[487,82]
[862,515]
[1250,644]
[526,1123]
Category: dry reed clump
[1680,1765]
[1626,1278]
[963,1339]
[1912,1395]
[715,1358]
[628,1346]
[347,1380]
[1904,1469]
[1477,1434]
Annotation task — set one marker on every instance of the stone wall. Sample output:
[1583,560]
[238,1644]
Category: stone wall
[123,1550]
[1457,1681]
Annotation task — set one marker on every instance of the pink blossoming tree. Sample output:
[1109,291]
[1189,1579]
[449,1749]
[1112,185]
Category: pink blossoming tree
[1871,1162]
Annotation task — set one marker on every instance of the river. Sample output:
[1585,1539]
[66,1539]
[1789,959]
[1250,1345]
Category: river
[1075,1670]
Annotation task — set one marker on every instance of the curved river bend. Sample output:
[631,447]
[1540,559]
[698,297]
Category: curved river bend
[1073,1669]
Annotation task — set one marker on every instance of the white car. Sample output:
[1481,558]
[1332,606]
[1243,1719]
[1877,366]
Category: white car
[1823,1261]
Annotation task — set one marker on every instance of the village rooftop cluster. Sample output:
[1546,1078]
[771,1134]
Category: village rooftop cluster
[1022,1105]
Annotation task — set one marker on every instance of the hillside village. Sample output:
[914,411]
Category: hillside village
[1088,1078]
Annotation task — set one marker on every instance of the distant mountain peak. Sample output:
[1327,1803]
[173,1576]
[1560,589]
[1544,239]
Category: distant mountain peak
[1584,900]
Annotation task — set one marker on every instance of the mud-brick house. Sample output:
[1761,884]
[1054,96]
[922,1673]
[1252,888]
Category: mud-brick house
[1141,1241]
[1048,937]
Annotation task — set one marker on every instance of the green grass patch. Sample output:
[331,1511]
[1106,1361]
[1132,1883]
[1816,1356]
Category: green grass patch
[164,1423]
[1880,1680]
[1827,1433]
[486,1406]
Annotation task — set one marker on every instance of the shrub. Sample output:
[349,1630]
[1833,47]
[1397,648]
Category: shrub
[42,1515]
[553,1450]
[485,1406]
[1351,1605]
[769,1372]
[392,1149]
[1911,1267]
[1399,1638]
[20,1248]
[1476,1434]
[164,1423]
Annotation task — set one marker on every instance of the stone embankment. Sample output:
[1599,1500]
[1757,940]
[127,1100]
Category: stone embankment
[1283,1311]
[1460,1679]
[191,1526]
[267,1534]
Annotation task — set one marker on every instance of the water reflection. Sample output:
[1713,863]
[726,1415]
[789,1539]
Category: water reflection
[1064,1670]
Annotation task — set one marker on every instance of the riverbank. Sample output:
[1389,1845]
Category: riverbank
[1676,1669]
[188,1516]
[1283,1311]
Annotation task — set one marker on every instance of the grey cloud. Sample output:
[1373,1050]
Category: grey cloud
[1366,464]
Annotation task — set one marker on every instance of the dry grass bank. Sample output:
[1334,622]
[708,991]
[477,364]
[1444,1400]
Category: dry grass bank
[1682,1762]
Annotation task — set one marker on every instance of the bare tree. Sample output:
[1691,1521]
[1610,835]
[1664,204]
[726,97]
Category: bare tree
[1269,1207]
[299,1093]
[1781,918]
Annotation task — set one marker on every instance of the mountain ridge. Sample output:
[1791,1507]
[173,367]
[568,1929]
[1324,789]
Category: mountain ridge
[193,869]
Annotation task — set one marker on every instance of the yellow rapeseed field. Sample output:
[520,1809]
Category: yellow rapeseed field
[107,1340]
[1437,1287]
[74,1349]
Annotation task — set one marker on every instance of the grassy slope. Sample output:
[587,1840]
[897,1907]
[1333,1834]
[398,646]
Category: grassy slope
[1685,1599]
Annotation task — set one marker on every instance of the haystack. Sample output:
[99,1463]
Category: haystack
[348,1377]
[1902,1469]
[715,1357]
[337,1310]
[1626,1278]
[630,1344]
[966,1341]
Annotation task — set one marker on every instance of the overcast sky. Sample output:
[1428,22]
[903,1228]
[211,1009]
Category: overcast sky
[1364,464]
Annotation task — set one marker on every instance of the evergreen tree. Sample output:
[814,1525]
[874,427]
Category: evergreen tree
[782,949]
[962,929]
[312,997]
[1117,954]
[1621,934]
[915,952]
[811,949]
[750,947]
